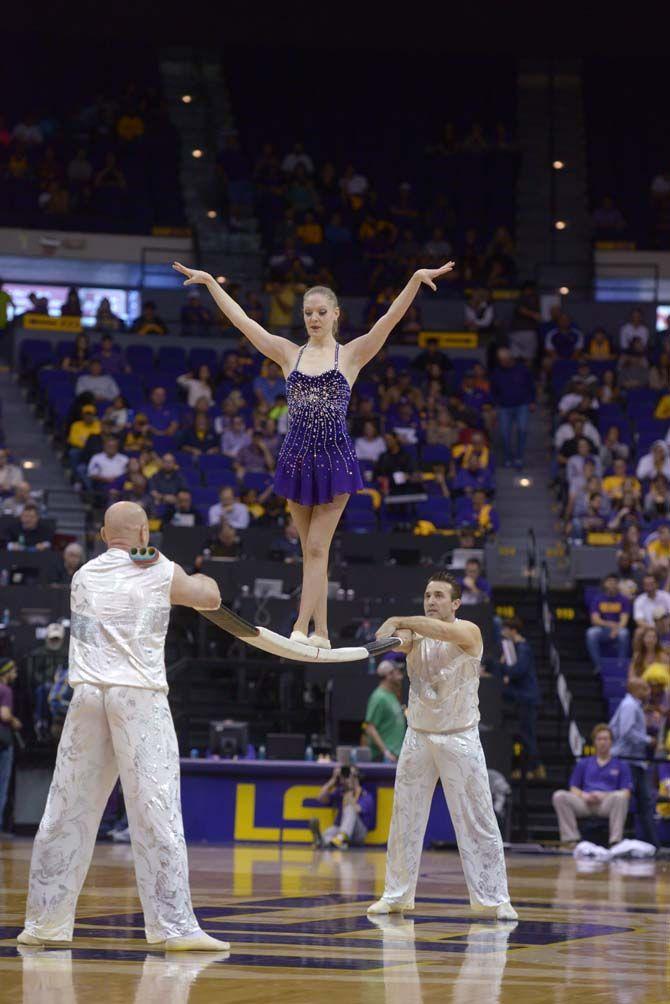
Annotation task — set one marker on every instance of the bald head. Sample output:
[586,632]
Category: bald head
[126,526]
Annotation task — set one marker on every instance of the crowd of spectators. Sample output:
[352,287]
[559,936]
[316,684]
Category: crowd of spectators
[92,166]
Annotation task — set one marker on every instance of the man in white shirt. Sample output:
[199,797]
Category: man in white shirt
[102,386]
[654,463]
[235,513]
[236,437]
[576,426]
[295,157]
[649,602]
[106,467]
[119,724]
[635,328]
[10,474]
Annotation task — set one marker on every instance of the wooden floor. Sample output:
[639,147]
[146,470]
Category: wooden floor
[298,931]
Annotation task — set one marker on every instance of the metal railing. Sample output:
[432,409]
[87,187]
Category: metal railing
[575,738]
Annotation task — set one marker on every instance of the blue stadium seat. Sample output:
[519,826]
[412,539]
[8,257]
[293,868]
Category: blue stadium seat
[164,444]
[203,357]
[436,454]
[35,352]
[140,358]
[192,477]
[437,511]
[172,357]
[257,480]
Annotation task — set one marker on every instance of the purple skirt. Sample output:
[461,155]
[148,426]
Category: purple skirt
[316,479]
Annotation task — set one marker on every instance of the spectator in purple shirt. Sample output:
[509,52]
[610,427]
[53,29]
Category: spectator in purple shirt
[600,785]
[513,391]
[564,341]
[110,356]
[355,810]
[472,477]
[610,612]
[162,418]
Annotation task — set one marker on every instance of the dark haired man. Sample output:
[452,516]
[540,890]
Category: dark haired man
[442,740]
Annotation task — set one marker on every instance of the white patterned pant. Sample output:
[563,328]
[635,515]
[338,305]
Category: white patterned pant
[112,731]
[458,761]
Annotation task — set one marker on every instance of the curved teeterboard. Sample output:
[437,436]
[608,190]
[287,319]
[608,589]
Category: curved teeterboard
[276,644]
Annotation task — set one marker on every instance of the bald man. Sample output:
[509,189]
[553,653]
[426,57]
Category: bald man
[119,723]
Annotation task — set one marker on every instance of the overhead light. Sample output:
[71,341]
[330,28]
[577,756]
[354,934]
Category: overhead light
[29,464]
[186,98]
[560,224]
[564,290]
[196,153]
[525,482]
[558,165]
[211,214]
[220,279]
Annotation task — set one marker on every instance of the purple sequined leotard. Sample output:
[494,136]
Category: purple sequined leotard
[317,460]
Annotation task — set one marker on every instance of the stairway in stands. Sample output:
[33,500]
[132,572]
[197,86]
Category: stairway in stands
[26,439]
[552,726]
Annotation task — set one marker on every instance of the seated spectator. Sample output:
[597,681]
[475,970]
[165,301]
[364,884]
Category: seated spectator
[105,318]
[659,374]
[138,435]
[371,444]
[629,732]
[658,550]
[71,306]
[647,651]
[608,220]
[600,785]
[81,356]
[196,319]
[650,601]
[633,550]
[287,547]
[654,463]
[608,392]
[657,499]
[256,458]
[567,434]
[167,482]
[633,368]
[443,429]
[477,447]
[432,356]
[110,356]
[271,386]
[406,425]
[13,505]
[612,448]
[616,484]
[627,512]
[135,489]
[150,463]
[162,418]
[197,386]
[593,520]
[472,477]
[483,517]
[183,512]
[565,341]
[200,438]
[600,346]
[634,329]
[474,587]
[118,414]
[149,323]
[71,561]
[224,543]
[480,312]
[395,467]
[236,437]
[107,467]
[27,531]
[101,385]
[11,475]
[610,614]
[575,466]
[230,510]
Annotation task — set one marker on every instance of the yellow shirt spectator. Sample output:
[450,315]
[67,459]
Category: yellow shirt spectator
[659,550]
[129,127]
[463,452]
[81,430]
[614,484]
[310,232]
[282,303]
[663,407]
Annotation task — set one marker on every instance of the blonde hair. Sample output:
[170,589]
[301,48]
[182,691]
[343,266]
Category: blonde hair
[329,295]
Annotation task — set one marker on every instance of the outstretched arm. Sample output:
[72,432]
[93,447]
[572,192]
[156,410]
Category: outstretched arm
[465,634]
[280,350]
[361,350]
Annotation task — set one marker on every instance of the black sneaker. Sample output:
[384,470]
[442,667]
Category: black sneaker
[315,829]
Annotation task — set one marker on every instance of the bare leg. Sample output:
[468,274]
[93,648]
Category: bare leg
[302,517]
[315,551]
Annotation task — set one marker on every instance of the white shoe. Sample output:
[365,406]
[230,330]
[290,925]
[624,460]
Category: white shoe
[386,906]
[300,638]
[25,938]
[318,641]
[506,912]
[196,942]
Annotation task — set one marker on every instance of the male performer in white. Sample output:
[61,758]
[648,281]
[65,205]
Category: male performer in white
[119,723]
[442,740]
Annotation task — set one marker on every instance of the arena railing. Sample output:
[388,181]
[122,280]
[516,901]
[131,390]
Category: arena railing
[576,740]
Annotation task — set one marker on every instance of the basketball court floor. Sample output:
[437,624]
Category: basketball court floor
[298,931]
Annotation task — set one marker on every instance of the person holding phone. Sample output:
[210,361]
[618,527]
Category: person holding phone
[355,810]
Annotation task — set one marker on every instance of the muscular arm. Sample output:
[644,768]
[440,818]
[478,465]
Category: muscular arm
[465,634]
[197,591]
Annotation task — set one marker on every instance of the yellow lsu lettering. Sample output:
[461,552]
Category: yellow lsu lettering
[294,809]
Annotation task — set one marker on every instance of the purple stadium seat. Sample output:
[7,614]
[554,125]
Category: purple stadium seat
[140,358]
[437,511]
